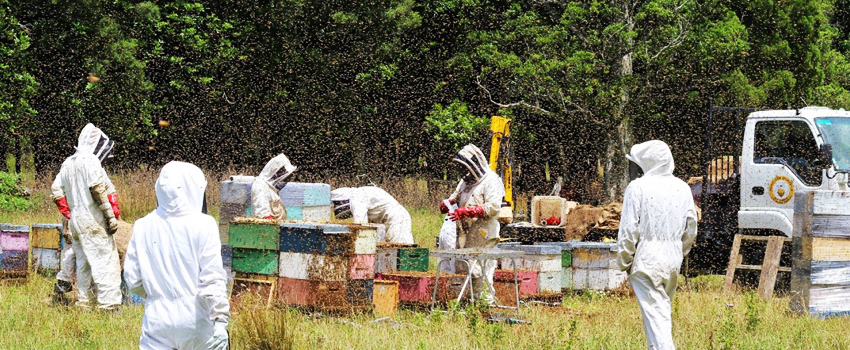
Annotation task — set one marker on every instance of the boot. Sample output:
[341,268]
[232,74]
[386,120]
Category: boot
[59,291]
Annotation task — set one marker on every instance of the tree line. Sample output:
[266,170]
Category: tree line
[394,87]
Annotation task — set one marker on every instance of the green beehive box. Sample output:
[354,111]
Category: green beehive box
[263,262]
[566,258]
[254,236]
[413,259]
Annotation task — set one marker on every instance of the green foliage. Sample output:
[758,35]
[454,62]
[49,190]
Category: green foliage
[17,84]
[12,195]
[455,124]
[754,309]
[242,80]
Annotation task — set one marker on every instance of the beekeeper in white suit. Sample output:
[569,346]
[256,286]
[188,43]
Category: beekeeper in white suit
[174,262]
[371,204]
[479,197]
[657,229]
[85,195]
[265,190]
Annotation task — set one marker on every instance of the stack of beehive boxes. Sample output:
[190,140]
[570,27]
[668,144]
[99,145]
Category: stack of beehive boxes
[594,266]
[327,267]
[235,201]
[47,244]
[254,244]
[14,260]
[545,260]
[820,273]
[566,263]
[307,201]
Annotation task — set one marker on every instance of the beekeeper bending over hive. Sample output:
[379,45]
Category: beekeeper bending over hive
[371,204]
[265,191]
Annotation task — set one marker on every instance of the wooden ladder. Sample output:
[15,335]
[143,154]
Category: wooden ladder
[769,268]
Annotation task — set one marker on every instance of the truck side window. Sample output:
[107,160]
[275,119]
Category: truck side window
[790,143]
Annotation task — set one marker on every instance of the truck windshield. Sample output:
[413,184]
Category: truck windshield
[836,132]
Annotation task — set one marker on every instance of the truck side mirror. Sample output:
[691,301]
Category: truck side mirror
[825,155]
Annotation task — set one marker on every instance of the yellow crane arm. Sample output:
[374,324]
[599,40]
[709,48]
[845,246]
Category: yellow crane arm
[500,150]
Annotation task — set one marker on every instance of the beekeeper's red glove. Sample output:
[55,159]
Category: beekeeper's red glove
[468,212]
[443,208]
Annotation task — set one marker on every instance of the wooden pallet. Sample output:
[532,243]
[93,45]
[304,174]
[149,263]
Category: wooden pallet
[769,268]
[258,285]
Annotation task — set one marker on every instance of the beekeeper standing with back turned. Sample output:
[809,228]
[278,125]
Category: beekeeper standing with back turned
[265,190]
[478,198]
[657,229]
[174,262]
[85,195]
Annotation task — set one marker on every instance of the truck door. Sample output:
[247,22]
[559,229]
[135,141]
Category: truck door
[779,159]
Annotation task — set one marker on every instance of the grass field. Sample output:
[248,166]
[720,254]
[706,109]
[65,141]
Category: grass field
[705,317]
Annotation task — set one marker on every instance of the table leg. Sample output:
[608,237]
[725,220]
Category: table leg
[516,287]
[436,284]
[469,278]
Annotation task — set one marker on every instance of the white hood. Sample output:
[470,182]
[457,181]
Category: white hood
[180,189]
[653,157]
[93,140]
[473,160]
[271,171]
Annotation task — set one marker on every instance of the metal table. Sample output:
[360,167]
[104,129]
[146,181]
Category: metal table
[478,254]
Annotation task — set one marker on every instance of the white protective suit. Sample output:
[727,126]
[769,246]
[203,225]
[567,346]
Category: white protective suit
[97,265]
[485,190]
[68,264]
[265,196]
[174,262]
[371,204]
[657,229]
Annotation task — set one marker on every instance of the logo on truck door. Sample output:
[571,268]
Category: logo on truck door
[781,189]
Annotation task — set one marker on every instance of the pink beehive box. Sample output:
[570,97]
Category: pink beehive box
[18,241]
[362,267]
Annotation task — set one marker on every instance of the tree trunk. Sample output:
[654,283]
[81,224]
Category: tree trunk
[619,141]
[616,174]
[26,162]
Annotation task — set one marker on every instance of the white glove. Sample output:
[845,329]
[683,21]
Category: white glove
[219,340]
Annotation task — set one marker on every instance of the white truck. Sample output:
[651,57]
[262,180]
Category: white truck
[752,173]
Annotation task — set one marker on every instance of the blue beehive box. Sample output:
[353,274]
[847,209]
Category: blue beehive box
[236,192]
[329,239]
[227,255]
[300,194]
[14,260]
[360,291]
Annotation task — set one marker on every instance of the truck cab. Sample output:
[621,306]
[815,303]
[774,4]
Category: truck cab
[754,162]
[784,152]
